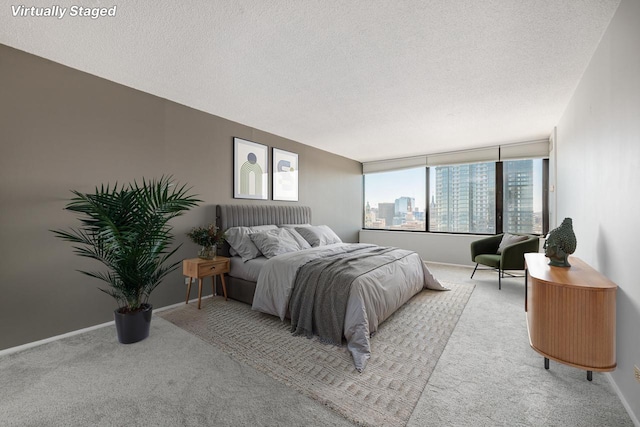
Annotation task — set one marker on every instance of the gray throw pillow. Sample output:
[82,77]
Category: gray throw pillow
[318,235]
[510,239]
[301,241]
[239,240]
[275,242]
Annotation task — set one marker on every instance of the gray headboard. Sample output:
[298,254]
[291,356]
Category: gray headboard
[250,215]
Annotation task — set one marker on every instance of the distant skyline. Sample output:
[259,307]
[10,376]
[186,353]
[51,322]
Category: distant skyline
[387,187]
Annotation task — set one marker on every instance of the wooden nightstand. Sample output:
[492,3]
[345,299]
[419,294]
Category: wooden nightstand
[197,268]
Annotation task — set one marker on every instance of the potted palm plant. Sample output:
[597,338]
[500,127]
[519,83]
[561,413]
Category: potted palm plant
[126,229]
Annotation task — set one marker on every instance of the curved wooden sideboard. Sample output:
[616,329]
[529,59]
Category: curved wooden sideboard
[571,314]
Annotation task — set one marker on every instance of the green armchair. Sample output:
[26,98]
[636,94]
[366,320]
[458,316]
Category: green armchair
[511,257]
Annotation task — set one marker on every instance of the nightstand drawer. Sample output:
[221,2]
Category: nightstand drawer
[207,269]
[202,268]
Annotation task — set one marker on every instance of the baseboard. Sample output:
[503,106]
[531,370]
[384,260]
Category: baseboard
[27,346]
[178,304]
[449,264]
[633,417]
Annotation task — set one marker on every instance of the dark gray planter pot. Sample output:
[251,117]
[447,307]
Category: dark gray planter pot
[133,327]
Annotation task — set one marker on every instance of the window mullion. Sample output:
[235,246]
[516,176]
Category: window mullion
[545,197]
[499,197]
[427,207]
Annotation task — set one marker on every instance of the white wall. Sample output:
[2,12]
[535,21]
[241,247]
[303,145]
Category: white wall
[596,173]
[553,205]
[447,248]
[598,179]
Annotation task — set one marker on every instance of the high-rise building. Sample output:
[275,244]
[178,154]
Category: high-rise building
[518,197]
[404,205]
[464,198]
[386,211]
[368,216]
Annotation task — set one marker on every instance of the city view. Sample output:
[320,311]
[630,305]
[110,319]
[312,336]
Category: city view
[462,198]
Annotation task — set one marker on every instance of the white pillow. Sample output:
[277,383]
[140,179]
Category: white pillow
[275,242]
[318,235]
[508,240]
[240,242]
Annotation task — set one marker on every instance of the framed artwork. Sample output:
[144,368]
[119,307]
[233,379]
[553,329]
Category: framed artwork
[250,170]
[285,175]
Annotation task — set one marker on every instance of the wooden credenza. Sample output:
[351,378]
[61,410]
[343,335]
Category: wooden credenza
[571,314]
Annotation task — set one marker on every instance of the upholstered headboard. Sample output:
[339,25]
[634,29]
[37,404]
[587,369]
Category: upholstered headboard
[251,215]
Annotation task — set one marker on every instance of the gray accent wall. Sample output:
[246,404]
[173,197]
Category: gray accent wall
[598,179]
[63,129]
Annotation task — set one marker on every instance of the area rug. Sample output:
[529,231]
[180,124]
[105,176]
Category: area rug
[404,351]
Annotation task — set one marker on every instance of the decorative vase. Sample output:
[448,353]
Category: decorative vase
[133,327]
[207,252]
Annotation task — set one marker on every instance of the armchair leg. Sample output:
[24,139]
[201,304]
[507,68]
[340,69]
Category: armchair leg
[474,270]
[499,279]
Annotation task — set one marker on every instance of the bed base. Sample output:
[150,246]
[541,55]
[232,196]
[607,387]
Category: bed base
[238,289]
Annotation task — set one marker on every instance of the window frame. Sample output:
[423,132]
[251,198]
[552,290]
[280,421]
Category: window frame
[499,203]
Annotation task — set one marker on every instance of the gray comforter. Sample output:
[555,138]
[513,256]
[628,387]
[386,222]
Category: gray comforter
[319,299]
[372,296]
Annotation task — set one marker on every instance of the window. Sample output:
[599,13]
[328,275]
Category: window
[481,198]
[488,190]
[522,196]
[395,200]
[462,198]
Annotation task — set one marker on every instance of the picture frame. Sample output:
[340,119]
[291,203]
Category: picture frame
[250,170]
[285,175]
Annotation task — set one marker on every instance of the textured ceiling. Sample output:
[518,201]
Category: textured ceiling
[366,79]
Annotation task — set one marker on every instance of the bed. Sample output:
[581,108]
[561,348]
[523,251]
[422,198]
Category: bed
[310,284]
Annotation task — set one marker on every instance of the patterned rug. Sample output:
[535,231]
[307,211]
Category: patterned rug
[404,351]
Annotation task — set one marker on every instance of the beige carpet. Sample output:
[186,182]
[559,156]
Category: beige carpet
[404,352]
